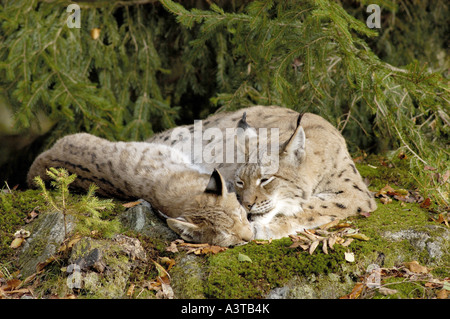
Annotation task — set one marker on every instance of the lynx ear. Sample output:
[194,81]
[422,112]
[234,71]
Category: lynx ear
[294,149]
[187,231]
[216,184]
[246,139]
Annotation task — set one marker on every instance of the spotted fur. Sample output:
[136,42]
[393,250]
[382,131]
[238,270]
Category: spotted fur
[197,204]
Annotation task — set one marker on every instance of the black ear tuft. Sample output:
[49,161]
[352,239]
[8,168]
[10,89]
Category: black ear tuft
[299,119]
[243,122]
[216,184]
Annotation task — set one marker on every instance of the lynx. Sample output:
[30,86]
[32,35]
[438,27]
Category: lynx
[316,180]
[197,204]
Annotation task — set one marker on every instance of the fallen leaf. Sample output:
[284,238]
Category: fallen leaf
[162,273]
[95,33]
[18,291]
[441,219]
[242,257]
[130,290]
[414,266]
[324,247]
[356,291]
[168,261]
[263,242]
[330,224]
[426,203]
[12,284]
[131,204]
[313,246]
[347,242]
[358,236]
[40,266]
[32,216]
[17,242]
[429,168]
[350,257]
[385,200]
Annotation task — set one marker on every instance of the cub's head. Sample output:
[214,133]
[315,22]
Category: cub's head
[219,218]
[264,188]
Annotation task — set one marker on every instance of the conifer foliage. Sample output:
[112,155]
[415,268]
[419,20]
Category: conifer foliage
[139,70]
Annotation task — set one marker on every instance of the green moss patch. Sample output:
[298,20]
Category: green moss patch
[271,266]
[14,208]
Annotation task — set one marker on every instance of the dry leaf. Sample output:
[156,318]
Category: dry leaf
[95,33]
[17,242]
[12,284]
[324,246]
[385,200]
[313,246]
[331,241]
[168,261]
[429,168]
[330,224]
[131,204]
[33,215]
[426,203]
[130,290]
[414,266]
[358,236]
[162,273]
[41,266]
[356,291]
[350,257]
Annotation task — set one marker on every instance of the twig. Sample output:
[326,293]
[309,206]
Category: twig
[407,146]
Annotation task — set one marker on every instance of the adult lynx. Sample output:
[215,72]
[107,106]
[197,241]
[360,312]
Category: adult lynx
[198,205]
[316,182]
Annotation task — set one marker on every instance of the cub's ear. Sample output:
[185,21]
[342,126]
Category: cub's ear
[216,184]
[294,150]
[188,231]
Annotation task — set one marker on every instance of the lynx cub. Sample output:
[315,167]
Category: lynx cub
[316,182]
[198,205]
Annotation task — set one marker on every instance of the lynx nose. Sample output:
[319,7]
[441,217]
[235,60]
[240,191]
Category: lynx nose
[247,235]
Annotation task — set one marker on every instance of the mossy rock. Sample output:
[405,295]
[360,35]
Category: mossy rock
[47,234]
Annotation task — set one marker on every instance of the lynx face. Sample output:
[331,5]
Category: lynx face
[201,227]
[269,194]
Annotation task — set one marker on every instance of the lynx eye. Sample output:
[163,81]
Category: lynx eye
[240,183]
[265,181]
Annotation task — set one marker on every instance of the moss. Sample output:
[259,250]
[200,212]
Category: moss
[272,266]
[381,171]
[14,208]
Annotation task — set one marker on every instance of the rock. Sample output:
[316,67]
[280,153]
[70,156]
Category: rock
[331,286]
[188,276]
[432,239]
[142,219]
[47,235]
[105,265]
